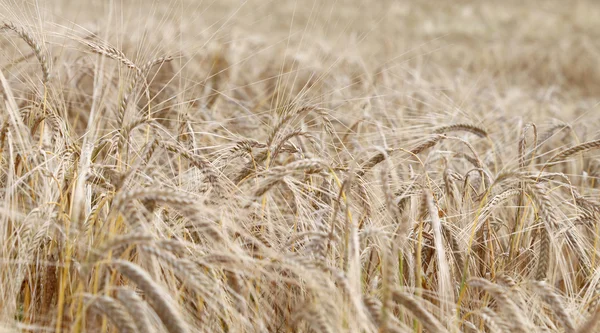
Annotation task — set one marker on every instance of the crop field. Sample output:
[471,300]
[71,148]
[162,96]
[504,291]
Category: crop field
[311,166]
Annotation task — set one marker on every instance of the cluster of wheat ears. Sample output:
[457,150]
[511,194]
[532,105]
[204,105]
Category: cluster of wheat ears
[130,203]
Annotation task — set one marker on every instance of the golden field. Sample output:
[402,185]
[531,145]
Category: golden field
[299,166]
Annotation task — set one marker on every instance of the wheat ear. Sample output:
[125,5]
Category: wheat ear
[159,298]
[115,312]
[590,324]
[556,304]
[135,306]
[523,143]
[506,304]
[111,52]
[574,150]
[429,322]
[479,131]
[33,44]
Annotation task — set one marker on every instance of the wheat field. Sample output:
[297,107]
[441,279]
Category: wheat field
[299,166]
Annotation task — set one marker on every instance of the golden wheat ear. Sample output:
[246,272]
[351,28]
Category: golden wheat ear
[34,44]
[161,302]
[116,312]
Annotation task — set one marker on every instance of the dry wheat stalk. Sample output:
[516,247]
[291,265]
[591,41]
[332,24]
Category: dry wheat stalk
[450,178]
[275,175]
[444,287]
[245,145]
[373,161]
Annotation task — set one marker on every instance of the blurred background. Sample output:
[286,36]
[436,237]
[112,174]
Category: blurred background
[446,52]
